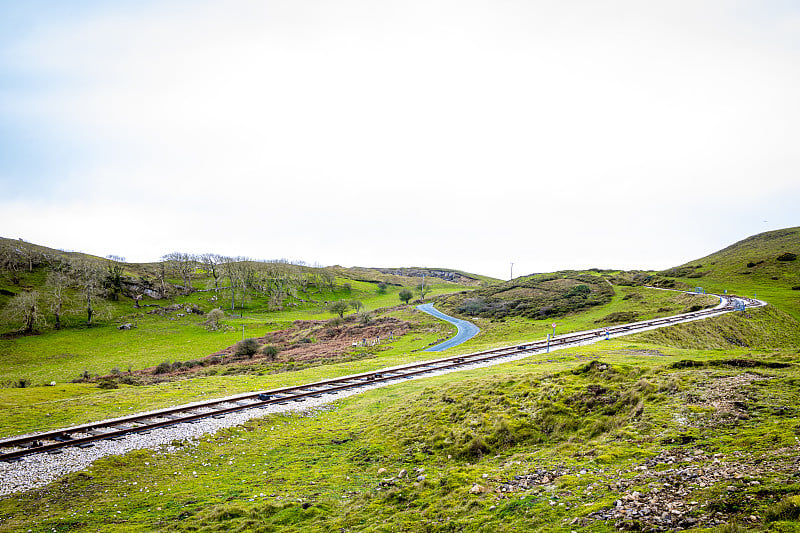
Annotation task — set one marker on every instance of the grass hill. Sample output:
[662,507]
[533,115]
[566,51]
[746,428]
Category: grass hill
[770,256]
[693,427]
[766,265]
[537,296]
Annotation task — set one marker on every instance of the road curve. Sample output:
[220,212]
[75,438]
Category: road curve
[466,330]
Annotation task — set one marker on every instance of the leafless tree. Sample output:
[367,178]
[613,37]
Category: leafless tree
[184,265]
[232,271]
[11,261]
[57,284]
[25,307]
[212,263]
[89,278]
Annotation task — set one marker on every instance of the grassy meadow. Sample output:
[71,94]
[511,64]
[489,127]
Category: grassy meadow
[692,427]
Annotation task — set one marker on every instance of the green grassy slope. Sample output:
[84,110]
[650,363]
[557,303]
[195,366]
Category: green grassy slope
[692,427]
[751,267]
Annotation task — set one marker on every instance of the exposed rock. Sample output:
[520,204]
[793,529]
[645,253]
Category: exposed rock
[477,489]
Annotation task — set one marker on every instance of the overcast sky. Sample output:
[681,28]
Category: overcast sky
[455,134]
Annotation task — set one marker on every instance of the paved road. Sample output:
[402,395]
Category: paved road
[466,330]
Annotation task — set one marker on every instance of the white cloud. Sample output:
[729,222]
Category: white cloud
[543,133]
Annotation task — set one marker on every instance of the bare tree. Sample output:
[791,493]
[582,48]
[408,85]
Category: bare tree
[25,307]
[184,265]
[231,270]
[89,278]
[31,255]
[11,261]
[212,263]
[56,284]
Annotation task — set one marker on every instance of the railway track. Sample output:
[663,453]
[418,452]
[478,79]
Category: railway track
[53,442]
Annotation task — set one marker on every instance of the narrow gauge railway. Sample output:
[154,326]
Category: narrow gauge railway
[85,435]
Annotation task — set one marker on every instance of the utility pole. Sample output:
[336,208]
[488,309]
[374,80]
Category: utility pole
[512,272]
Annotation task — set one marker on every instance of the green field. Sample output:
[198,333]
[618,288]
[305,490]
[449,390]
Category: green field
[690,427]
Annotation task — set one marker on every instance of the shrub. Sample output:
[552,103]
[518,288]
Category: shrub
[107,384]
[786,509]
[476,447]
[788,256]
[472,306]
[306,340]
[405,295]
[163,368]
[382,288]
[128,380]
[212,319]
[246,347]
[177,365]
[365,317]
[338,308]
[22,383]
[116,371]
[271,352]
[579,291]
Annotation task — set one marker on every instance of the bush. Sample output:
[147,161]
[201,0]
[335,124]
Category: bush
[22,383]
[212,319]
[116,371]
[271,352]
[365,317]
[108,384]
[338,308]
[579,291]
[472,306]
[382,288]
[163,368]
[246,347]
[405,295]
[786,509]
[177,365]
[788,256]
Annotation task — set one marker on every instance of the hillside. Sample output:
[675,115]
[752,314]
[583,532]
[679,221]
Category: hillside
[537,296]
[766,265]
[692,427]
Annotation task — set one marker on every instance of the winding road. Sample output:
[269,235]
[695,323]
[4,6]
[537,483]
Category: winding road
[466,330]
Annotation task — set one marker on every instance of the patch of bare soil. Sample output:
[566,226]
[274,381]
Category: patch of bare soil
[309,340]
[728,396]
